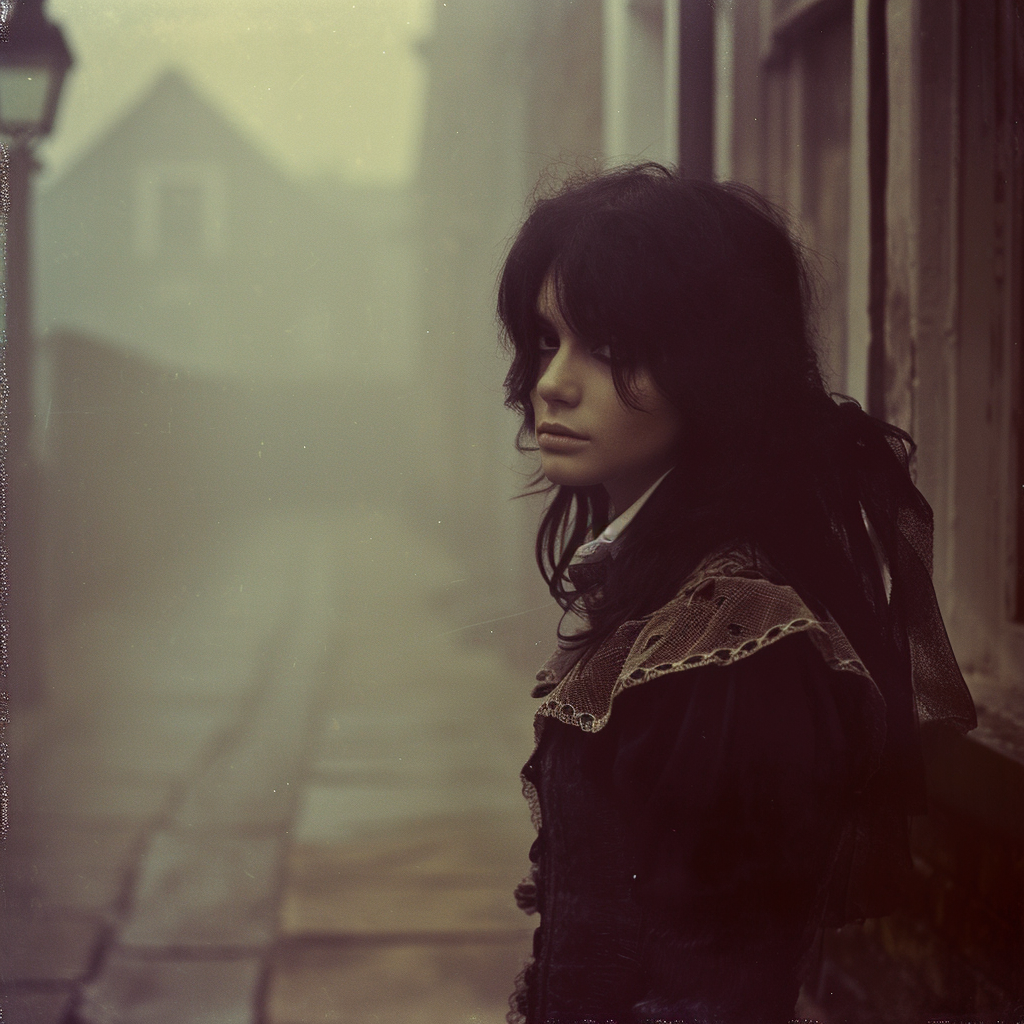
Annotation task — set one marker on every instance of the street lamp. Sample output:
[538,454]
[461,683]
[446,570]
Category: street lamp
[33,62]
[34,59]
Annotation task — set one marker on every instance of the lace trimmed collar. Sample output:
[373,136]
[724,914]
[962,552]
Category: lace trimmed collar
[730,607]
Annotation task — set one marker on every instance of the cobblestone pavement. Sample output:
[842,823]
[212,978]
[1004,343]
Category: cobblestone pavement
[285,792]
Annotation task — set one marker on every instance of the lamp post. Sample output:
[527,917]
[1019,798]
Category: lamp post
[34,59]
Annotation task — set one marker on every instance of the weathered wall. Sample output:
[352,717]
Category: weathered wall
[950,246]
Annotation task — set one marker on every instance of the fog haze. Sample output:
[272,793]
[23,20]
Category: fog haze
[285,612]
[324,88]
[274,616]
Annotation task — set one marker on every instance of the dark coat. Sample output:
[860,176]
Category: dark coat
[690,844]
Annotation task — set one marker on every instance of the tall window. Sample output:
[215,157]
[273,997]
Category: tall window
[641,79]
[180,217]
[179,209]
[988,474]
[1016,154]
[809,99]
[993,117]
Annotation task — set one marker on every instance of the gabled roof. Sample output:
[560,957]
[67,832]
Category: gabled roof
[174,120]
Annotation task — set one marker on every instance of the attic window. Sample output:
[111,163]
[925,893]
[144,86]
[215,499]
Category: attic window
[180,213]
[179,209]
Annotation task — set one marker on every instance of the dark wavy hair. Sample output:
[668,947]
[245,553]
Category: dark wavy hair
[703,285]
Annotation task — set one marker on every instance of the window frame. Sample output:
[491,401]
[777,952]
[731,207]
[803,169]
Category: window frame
[785,33]
[153,176]
[628,132]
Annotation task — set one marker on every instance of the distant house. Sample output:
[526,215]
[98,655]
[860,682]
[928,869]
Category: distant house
[214,340]
[175,237]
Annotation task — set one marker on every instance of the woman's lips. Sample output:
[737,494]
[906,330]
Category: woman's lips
[558,439]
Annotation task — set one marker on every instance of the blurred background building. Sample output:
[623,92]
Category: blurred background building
[224,329]
[217,338]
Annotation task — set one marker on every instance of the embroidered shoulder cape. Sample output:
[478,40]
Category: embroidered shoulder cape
[671,828]
[730,607]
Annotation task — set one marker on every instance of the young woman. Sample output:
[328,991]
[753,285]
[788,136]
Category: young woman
[728,741]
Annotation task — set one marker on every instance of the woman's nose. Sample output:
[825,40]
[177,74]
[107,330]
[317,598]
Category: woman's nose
[559,384]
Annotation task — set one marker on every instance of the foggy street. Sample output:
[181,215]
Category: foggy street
[272,495]
[284,789]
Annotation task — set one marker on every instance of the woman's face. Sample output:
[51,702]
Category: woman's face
[586,434]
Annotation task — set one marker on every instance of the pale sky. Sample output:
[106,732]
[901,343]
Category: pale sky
[325,87]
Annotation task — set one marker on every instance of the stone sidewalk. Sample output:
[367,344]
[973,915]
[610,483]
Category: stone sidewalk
[283,792]
[411,825]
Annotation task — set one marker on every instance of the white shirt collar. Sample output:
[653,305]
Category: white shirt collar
[611,533]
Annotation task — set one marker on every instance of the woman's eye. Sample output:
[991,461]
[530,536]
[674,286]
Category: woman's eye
[602,352]
[547,343]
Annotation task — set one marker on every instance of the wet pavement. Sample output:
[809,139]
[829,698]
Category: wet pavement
[283,790]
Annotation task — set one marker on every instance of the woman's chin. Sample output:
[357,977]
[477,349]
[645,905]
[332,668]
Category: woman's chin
[563,475]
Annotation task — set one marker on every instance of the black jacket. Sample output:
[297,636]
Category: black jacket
[701,785]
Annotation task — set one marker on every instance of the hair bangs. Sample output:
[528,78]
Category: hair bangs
[593,290]
[525,270]
[594,316]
